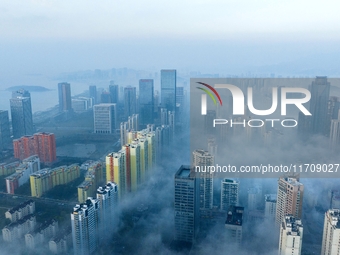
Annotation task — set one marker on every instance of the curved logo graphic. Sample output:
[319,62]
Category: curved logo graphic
[209,93]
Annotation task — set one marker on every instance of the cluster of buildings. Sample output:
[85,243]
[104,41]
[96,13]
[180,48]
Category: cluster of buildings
[93,220]
[150,107]
[24,228]
[45,179]
[130,166]
[193,199]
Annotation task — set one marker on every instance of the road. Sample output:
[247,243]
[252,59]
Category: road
[39,199]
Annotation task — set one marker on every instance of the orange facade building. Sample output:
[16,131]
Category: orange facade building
[41,144]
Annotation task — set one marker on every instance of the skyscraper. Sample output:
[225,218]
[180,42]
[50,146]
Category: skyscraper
[113,89]
[233,224]
[291,233]
[270,206]
[130,101]
[64,91]
[334,136]
[105,97]
[21,112]
[84,222]
[319,105]
[116,171]
[254,198]
[331,232]
[20,93]
[93,93]
[168,89]
[5,135]
[186,205]
[204,159]
[105,118]
[229,194]
[289,198]
[108,201]
[146,102]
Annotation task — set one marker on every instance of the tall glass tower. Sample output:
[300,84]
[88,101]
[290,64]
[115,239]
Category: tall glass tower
[130,102]
[168,89]
[319,105]
[21,113]
[146,102]
[65,103]
[5,136]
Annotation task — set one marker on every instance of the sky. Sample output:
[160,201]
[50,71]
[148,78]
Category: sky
[50,36]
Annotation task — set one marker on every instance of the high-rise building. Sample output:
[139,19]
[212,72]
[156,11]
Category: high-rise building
[64,91]
[133,122]
[123,133]
[255,198]
[186,205]
[105,118]
[133,152]
[41,144]
[146,102]
[331,233]
[204,159]
[84,222]
[5,135]
[116,171]
[208,122]
[130,101]
[180,104]
[20,93]
[270,206]
[291,233]
[108,200]
[21,113]
[168,89]
[229,193]
[319,89]
[164,116]
[289,198]
[233,225]
[81,104]
[334,136]
[113,88]
[46,146]
[333,111]
[212,146]
[93,93]
[105,97]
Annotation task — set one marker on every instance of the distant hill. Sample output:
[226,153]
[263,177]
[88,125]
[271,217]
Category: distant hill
[29,88]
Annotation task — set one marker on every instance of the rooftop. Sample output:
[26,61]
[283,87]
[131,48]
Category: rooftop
[22,205]
[183,172]
[293,224]
[235,216]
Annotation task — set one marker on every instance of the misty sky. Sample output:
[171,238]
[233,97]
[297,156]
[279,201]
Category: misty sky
[282,37]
